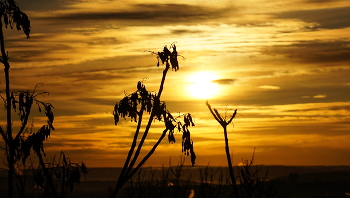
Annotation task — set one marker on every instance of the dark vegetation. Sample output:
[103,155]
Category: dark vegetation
[50,179]
[143,101]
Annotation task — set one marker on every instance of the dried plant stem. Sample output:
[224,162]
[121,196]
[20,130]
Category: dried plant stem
[128,169]
[9,139]
[224,124]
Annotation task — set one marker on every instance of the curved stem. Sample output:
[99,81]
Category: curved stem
[133,145]
[148,155]
[137,153]
[128,171]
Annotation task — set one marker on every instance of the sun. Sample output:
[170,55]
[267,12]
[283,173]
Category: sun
[201,85]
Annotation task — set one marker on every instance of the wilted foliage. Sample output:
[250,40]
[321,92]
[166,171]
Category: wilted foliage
[22,102]
[166,55]
[25,140]
[25,101]
[35,142]
[134,105]
[12,16]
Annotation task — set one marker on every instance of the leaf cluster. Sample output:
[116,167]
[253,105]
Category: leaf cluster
[134,104]
[22,102]
[187,143]
[12,16]
[166,55]
[33,141]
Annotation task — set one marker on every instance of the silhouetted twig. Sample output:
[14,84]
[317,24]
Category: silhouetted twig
[223,122]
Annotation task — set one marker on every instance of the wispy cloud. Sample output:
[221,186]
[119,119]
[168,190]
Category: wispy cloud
[329,18]
[320,96]
[152,13]
[316,51]
[269,87]
[224,81]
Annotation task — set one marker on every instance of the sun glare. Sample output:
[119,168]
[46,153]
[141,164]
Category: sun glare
[201,85]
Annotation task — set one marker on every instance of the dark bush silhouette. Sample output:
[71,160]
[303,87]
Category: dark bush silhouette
[11,16]
[18,145]
[134,106]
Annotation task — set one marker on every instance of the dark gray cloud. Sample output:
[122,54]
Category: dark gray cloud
[158,13]
[320,1]
[41,5]
[328,18]
[184,31]
[317,51]
[224,81]
[333,108]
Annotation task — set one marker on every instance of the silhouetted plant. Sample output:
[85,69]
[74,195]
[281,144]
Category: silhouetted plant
[10,15]
[19,145]
[63,174]
[224,122]
[252,184]
[167,182]
[136,104]
[209,187]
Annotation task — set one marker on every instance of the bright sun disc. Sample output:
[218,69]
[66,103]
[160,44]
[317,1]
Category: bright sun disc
[201,86]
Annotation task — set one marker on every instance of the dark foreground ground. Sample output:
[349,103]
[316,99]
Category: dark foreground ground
[287,181]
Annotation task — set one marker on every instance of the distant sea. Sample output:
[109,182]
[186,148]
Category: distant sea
[306,173]
[274,172]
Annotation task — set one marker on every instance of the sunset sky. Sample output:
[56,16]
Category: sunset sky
[284,65]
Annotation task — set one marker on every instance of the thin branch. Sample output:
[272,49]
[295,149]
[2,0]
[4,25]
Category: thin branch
[133,145]
[211,111]
[148,155]
[138,150]
[219,116]
[137,153]
[163,80]
[3,135]
[24,124]
[233,116]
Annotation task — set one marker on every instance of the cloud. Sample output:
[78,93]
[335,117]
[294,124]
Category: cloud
[269,87]
[41,5]
[323,107]
[224,81]
[320,1]
[158,13]
[184,31]
[316,51]
[320,96]
[328,18]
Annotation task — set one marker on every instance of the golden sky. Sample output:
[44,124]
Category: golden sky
[285,66]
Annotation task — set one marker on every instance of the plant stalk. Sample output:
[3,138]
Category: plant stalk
[11,153]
